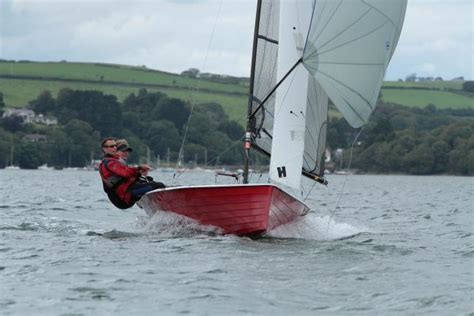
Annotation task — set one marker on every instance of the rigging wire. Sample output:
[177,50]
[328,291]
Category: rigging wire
[239,141]
[309,192]
[345,180]
[193,101]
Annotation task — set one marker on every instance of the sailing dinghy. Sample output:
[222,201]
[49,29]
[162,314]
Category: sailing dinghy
[305,52]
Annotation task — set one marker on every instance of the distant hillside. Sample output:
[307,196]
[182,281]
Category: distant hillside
[21,82]
[442,94]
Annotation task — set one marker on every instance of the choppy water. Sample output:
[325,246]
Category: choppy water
[394,245]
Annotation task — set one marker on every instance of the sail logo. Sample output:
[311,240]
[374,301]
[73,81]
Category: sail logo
[297,135]
[281,172]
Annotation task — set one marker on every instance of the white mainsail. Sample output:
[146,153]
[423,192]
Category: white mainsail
[336,49]
[291,97]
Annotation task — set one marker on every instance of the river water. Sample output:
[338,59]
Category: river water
[371,245]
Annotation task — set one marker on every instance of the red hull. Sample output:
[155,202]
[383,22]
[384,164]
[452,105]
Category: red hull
[236,209]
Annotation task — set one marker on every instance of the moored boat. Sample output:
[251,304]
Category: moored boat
[12,167]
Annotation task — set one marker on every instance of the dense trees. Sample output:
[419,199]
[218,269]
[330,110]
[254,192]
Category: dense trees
[468,86]
[160,122]
[397,139]
[45,103]
[153,123]
[2,104]
[417,141]
[101,111]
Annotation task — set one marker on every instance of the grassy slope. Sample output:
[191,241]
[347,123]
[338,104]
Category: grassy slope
[17,93]
[421,98]
[117,73]
[122,80]
[433,84]
[442,98]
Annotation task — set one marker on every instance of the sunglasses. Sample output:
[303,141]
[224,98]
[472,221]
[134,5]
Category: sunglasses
[110,146]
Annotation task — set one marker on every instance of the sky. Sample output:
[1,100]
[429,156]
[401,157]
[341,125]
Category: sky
[212,35]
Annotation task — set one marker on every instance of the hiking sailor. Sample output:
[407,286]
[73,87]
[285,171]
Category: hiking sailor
[124,185]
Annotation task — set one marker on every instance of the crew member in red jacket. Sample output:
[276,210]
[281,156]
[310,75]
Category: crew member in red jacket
[124,185]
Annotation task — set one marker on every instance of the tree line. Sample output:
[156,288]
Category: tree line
[397,139]
[407,140]
[153,123]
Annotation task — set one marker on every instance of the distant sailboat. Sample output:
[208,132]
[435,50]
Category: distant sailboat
[45,167]
[69,168]
[305,53]
[11,166]
[167,168]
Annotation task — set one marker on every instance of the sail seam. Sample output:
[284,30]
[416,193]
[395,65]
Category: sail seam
[329,21]
[354,40]
[382,13]
[309,28]
[348,104]
[354,91]
[344,30]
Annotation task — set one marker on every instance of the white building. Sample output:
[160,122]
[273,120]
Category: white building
[29,117]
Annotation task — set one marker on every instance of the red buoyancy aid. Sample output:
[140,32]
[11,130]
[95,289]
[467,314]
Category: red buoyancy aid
[117,177]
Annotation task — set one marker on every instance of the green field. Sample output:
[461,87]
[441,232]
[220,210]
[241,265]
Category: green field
[115,73]
[21,82]
[17,93]
[421,98]
[427,84]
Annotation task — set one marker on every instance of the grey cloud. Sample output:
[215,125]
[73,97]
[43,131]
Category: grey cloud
[176,35]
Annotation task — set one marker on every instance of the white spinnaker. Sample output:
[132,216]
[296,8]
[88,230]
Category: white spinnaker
[348,49]
[291,97]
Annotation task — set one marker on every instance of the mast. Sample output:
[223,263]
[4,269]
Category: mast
[12,148]
[148,155]
[248,133]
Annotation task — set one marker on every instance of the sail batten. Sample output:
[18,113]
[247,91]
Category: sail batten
[268,39]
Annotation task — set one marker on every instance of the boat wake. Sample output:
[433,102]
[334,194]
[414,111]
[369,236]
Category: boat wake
[167,224]
[317,228]
[311,227]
